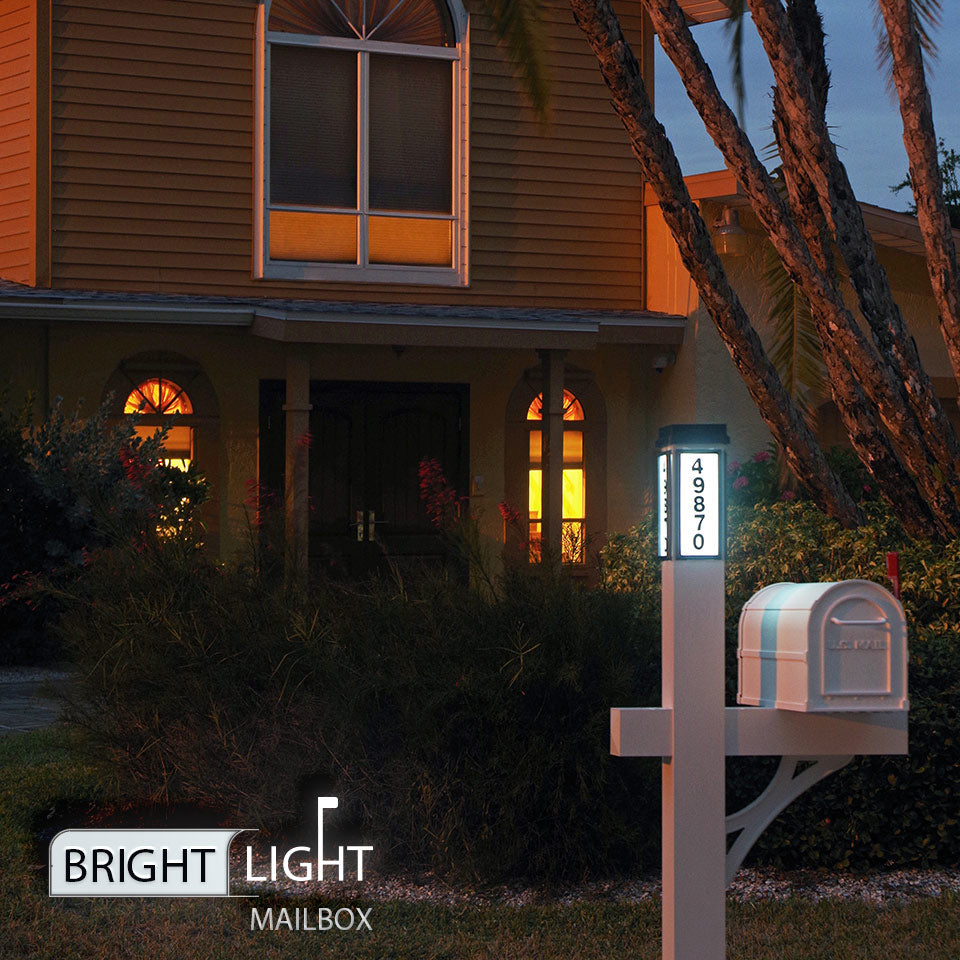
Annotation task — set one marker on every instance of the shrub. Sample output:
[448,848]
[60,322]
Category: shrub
[877,810]
[497,757]
[187,675]
[468,730]
[70,486]
[764,478]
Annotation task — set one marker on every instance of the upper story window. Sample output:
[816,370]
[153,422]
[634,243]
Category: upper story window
[362,154]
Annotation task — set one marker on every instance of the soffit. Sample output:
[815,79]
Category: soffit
[705,11]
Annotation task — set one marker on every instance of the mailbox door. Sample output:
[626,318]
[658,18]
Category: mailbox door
[856,650]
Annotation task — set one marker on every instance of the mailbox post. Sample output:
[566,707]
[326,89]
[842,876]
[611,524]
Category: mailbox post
[691,530]
[823,664]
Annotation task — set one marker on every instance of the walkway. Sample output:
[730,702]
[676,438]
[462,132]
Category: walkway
[23,703]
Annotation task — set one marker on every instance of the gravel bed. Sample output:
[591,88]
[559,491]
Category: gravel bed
[749,885]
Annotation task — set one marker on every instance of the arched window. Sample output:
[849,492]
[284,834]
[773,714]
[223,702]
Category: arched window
[159,397]
[362,157]
[584,501]
[573,537]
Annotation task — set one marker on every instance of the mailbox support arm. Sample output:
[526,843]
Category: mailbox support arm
[782,790]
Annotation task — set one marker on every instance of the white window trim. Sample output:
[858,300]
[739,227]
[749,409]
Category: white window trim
[265,268]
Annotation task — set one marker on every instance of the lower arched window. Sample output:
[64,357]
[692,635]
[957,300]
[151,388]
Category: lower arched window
[573,535]
[159,397]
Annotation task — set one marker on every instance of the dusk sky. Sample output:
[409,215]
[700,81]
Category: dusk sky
[865,121]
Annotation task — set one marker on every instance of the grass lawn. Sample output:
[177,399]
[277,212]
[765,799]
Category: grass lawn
[38,768]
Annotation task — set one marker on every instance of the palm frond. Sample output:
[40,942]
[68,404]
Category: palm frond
[794,348]
[733,26]
[519,25]
[929,18]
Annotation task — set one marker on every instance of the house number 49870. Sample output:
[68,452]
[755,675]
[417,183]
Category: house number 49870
[699,504]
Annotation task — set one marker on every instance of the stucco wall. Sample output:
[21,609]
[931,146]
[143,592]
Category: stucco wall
[704,385]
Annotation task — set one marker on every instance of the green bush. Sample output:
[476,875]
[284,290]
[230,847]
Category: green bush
[69,486]
[467,730]
[475,733]
[764,478]
[877,810]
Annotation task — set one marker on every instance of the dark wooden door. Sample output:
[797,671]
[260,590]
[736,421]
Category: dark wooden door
[367,443]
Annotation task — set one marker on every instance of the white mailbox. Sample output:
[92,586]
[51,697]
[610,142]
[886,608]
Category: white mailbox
[823,647]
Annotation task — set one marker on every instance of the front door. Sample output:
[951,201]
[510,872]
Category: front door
[367,443]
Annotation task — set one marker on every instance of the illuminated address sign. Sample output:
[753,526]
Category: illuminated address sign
[663,513]
[698,503]
[690,496]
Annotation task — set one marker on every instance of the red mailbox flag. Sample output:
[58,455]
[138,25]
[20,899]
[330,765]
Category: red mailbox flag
[893,572]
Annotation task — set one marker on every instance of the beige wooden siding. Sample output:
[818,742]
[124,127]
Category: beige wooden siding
[152,165]
[17,142]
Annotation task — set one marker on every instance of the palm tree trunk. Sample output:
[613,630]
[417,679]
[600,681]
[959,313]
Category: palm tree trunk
[653,150]
[881,384]
[867,438]
[867,275]
[921,144]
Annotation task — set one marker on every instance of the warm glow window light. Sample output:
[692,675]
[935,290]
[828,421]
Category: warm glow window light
[160,397]
[574,495]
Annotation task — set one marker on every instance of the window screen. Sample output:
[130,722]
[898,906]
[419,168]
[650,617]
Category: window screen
[411,134]
[313,126]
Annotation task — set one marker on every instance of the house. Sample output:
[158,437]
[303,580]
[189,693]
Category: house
[335,239]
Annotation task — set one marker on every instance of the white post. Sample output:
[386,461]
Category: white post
[691,545]
[297,483]
[694,836]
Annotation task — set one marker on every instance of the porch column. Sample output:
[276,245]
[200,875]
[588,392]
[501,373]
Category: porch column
[297,456]
[551,511]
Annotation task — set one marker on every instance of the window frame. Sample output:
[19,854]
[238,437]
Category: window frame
[516,453]
[574,424]
[363,272]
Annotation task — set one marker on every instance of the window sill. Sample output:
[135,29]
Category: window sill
[350,273]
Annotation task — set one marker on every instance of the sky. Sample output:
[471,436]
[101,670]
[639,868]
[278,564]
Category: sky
[864,119]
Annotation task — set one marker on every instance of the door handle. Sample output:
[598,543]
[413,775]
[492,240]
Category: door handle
[369,527]
[372,523]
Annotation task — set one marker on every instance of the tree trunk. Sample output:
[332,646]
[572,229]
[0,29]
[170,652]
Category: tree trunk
[921,143]
[882,386]
[653,150]
[813,144]
[868,440]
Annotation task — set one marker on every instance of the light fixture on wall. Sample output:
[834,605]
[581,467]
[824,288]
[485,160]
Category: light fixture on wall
[663,360]
[728,236]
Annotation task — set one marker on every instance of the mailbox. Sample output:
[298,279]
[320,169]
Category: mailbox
[826,647]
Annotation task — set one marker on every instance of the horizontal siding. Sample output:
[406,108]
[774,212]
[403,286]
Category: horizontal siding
[17,143]
[152,164]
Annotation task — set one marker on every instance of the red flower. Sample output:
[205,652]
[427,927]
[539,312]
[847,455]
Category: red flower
[134,467]
[788,495]
[440,499]
[510,515]
[740,483]
[762,456]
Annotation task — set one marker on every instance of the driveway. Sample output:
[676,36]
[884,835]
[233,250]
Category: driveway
[22,704]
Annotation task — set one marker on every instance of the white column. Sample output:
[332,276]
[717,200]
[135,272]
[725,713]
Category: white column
[297,455]
[551,462]
[694,838]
